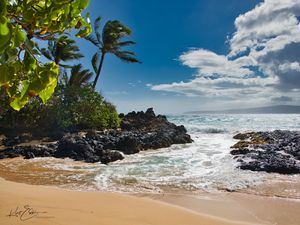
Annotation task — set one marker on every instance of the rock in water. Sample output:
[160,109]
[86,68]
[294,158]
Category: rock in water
[154,131]
[78,148]
[277,151]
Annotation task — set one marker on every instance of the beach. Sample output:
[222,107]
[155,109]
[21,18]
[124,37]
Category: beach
[42,205]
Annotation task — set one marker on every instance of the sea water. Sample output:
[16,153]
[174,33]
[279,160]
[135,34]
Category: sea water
[204,165]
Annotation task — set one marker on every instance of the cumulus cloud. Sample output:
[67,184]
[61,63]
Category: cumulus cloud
[209,63]
[286,67]
[270,24]
[263,60]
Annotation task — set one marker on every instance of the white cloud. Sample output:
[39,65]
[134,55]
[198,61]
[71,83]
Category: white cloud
[209,63]
[270,20]
[222,87]
[286,67]
[264,58]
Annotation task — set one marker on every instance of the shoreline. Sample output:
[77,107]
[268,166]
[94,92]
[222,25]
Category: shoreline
[43,205]
[21,171]
[205,208]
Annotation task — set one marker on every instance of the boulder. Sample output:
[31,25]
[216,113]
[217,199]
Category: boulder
[75,147]
[129,144]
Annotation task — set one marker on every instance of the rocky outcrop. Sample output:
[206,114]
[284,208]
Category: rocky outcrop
[277,151]
[139,131]
[79,148]
[155,131]
[29,151]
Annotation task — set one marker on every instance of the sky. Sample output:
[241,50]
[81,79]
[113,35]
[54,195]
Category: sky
[202,55]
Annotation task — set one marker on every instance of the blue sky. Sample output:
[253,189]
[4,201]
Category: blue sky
[172,75]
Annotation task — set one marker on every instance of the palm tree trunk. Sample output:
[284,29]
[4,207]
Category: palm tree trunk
[99,70]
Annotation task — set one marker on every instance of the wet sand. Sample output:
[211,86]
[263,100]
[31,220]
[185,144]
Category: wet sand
[239,206]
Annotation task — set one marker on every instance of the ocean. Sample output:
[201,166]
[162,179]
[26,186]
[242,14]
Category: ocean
[205,165]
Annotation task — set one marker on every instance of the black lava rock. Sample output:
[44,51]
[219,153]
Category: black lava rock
[276,151]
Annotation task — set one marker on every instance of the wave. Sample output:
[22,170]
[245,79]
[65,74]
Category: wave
[209,130]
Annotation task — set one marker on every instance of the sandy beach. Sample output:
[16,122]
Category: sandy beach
[41,205]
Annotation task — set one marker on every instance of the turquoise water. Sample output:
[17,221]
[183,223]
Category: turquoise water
[204,165]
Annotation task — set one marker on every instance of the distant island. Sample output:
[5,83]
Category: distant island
[278,109]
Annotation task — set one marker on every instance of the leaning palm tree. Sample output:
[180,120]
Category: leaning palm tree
[110,40]
[79,77]
[61,49]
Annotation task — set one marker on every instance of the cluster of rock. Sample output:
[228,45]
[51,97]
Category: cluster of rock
[277,151]
[139,131]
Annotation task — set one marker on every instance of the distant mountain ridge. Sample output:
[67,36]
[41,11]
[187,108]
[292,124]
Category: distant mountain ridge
[278,109]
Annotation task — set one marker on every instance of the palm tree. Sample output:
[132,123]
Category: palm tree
[110,41]
[61,49]
[79,77]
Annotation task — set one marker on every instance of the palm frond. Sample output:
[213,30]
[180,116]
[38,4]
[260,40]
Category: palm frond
[126,43]
[126,57]
[79,77]
[128,53]
[85,77]
[96,29]
[65,66]
[74,73]
[62,49]
[93,40]
[113,31]
[46,53]
[95,61]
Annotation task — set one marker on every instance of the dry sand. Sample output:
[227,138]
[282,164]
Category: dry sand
[42,205]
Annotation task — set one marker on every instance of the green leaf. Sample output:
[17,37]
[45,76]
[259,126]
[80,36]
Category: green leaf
[2,7]
[46,93]
[48,77]
[83,4]
[5,75]
[21,74]
[85,32]
[19,37]
[20,100]
[5,36]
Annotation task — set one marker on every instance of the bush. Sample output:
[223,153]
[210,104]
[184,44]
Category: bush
[69,108]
